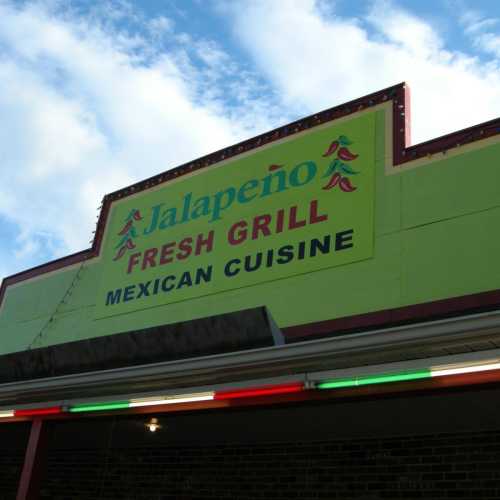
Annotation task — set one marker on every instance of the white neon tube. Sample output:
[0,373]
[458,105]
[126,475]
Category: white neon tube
[167,400]
[439,372]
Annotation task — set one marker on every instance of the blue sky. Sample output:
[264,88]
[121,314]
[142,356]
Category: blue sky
[97,95]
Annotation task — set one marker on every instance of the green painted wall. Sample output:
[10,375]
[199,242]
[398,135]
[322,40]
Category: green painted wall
[437,235]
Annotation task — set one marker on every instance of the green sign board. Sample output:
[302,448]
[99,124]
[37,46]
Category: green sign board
[290,208]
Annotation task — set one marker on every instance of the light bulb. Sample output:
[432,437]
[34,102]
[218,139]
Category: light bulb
[153,425]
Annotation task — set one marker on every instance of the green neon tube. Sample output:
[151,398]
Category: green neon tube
[115,405]
[337,384]
[394,377]
[373,379]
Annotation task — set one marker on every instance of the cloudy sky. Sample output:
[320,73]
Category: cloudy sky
[97,95]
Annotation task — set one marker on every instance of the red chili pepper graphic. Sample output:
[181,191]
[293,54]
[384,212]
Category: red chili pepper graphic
[332,182]
[332,148]
[120,253]
[126,228]
[346,155]
[345,185]
[130,244]
[137,215]
[274,166]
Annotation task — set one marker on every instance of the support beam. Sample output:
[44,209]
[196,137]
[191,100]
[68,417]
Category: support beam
[34,462]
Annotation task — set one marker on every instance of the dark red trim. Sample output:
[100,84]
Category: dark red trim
[34,462]
[402,152]
[400,133]
[427,311]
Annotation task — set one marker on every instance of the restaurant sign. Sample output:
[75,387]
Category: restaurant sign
[290,208]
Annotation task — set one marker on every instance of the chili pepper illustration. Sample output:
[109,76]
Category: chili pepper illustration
[332,182]
[120,253]
[274,166]
[122,242]
[134,214]
[334,165]
[126,228]
[127,234]
[128,237]
[344,140]
[331,149]
[346,186]
[346,169]
[346,155]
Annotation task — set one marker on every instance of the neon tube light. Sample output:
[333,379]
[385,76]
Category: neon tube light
[114,405]
[53,410]
[175,399]
[457,370]
[337,383]
[152,402]
[260,391]
[394,377]
[373,379]
[266,390]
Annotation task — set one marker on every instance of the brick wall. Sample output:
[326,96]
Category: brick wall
[465,465]
[444,444]
[13,441]
[11,463]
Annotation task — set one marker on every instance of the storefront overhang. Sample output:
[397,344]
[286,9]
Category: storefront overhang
[462,341]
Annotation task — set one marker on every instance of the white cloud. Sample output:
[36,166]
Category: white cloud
[95,101]
[318,61]
[91,108]
[482,31]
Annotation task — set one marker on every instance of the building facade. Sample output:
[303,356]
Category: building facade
[312,313]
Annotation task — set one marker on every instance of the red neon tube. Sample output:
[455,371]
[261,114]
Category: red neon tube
[267,390]
[53,410]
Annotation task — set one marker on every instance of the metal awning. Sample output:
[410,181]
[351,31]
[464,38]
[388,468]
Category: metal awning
[450,340]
